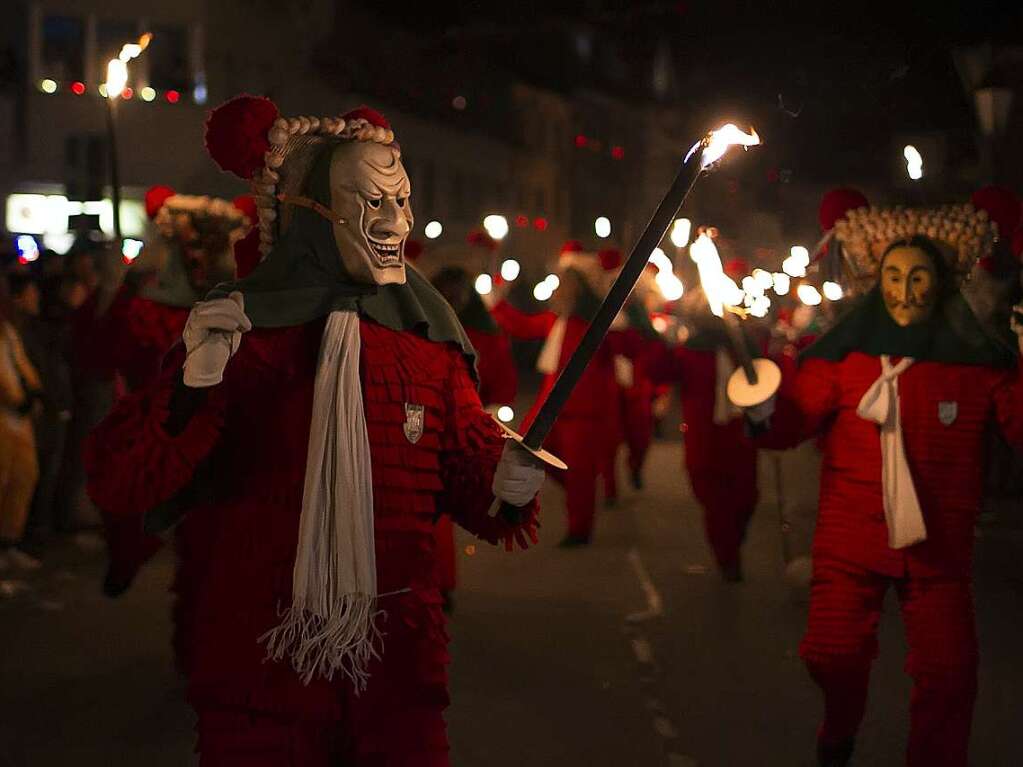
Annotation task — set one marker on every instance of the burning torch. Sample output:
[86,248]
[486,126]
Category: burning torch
[756,380]
[704,154]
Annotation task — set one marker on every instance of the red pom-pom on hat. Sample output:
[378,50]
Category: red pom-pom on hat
[480,239]
[156,196]
[1002,206]
[610,259]
[237,134]
[836,204]
[571,246]
[413,250]
[246,203]
[371,116]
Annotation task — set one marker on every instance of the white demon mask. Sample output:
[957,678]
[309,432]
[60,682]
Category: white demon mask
[369,192]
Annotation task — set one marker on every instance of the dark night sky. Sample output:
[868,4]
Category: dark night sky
[845,70]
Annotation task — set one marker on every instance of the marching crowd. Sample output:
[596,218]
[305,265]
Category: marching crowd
[360,380]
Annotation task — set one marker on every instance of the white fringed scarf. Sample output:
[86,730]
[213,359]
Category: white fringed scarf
[902,509]
[330,624]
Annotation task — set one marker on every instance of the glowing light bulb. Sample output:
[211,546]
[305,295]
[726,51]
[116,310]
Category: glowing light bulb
[808,294]
[147,93]
[832,291]
[28,248]
[496,226]
[553,282]
[680,232]
[763,278]
[510,270]
[782,283]
[542,291]
[660,259]
[505,414]
[130,249]
[602,227]
[48,86]
[433,230]
[484,284]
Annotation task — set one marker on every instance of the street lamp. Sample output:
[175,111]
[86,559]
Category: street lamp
[117,80]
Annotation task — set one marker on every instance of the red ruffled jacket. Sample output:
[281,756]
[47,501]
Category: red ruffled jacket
[946,456]
[254,429]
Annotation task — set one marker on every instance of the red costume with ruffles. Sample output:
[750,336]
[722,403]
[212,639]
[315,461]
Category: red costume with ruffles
[257,455]
[853,563]
[581,432]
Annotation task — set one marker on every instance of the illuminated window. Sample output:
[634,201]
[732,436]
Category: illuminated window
[63,53]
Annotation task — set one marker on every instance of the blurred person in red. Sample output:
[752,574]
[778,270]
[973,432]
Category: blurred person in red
[586,425]
[720,459]
[634,343]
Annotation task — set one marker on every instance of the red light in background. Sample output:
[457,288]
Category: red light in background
[78,88]
[172,97]
[581,141]
[522,221]
[540,223]
[127,93]
[618,152]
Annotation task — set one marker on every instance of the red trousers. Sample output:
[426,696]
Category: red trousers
[638,425]
[244,738]
[582,444]
[841,643]
[728,495]
[397,721]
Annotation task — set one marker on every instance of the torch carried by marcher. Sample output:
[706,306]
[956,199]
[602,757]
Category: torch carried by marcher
[704,154]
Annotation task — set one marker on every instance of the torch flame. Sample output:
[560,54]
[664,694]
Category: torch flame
[717,142]
[719,288]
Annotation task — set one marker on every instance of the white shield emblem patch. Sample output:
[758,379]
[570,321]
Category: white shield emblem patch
[947,412]
[414,417]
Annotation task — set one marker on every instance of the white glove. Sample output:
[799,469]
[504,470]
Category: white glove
[212,335]
[519,475]
[1017,324]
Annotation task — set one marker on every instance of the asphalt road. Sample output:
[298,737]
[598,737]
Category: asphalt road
[630,652]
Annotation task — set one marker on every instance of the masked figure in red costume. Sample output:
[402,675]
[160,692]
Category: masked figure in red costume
[585,427]
[494,364]
[325,411]
[900,391]
[190,250]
